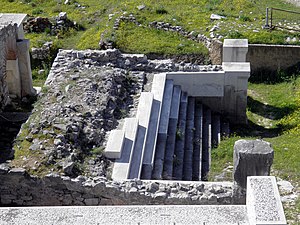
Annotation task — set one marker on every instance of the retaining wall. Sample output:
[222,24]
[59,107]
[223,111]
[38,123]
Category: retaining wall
[262,57]
[19,188]
[272,57]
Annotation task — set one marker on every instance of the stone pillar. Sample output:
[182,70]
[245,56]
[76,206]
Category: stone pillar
[13,79]
[250,158]
[25,67]
[235,91]
[235,50]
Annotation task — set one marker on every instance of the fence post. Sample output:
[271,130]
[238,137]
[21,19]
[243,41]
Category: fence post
[267,19]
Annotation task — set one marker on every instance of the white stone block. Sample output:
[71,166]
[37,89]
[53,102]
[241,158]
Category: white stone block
[205,84]
[114,144]
[25,68]
[263,201]
[121,166]
[13,79]
[235,50]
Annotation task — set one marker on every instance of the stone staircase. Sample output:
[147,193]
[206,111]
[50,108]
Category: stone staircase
[171,137]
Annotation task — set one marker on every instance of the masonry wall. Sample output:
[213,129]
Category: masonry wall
[19,188]
[7,33]
[272,57]
[263,58]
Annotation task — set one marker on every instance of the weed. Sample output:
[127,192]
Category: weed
[37,11]
[245,18]
[179,134]
[97,151]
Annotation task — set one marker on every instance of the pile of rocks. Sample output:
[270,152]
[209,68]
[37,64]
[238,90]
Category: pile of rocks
[40,24]
[37,25]
[42,53]
[63,23]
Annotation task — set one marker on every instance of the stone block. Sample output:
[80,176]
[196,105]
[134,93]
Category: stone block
[205,84]
[15,18]
[121,166]
[114,144]
[263,201]
[235,50]
[13,79]
[143,115]
[25,68]
[158,87]
[134,214]
[235,91]
[251,158]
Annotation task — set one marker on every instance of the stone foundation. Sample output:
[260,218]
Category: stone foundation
[19,188]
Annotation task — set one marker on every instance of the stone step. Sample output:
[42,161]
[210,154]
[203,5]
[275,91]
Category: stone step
[158,87]
[180,138]
[216,130]
[197,153]
[114,144]
[139,214]
[189,138]
[162,131]
[143,115]
[206,143]
[121,166]
[171,139]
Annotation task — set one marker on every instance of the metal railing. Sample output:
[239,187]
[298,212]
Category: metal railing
[282,18]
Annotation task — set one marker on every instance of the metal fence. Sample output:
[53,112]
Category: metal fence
[281,18]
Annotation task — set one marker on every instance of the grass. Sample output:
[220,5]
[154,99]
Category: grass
[191,15]
[274,116]
[130,38]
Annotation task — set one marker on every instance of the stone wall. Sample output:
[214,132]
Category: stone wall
[262,57]
[19,188]
[272,57]
[6,33]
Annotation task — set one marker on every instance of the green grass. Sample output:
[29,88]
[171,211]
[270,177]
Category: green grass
[130,38]
[190,14]
[274,116]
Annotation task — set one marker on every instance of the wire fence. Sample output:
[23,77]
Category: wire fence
[281,18]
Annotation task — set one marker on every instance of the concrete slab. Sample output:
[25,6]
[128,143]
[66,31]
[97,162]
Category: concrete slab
[121,166]
[121,215]
[205,84]
[263,201]
[162,131]
[235,50]
[166,108]
[14,18]
[197,153]
[25,67]
[114,144]
[158,87]
[18,18]
[172,129]
[189,140]
[143,116]
[180,140]
[13,78]
[206,143]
